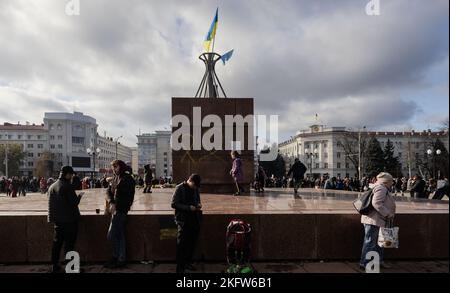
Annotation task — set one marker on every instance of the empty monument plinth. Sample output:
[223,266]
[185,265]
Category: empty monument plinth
[213,165]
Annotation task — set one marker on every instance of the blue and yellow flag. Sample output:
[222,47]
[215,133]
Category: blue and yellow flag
[227,56]
[211,33]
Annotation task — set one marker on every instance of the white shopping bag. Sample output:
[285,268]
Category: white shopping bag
[388,237]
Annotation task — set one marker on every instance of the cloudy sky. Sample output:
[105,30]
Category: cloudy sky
[122,61]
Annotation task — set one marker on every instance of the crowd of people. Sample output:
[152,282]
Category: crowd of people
[416,186]
[19,186]
[120,188]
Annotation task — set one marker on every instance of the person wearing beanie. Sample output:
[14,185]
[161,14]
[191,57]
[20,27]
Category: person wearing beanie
[188,211]
[383,212]
[64,213]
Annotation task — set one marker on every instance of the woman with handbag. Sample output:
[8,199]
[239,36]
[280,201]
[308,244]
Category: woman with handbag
[382,213]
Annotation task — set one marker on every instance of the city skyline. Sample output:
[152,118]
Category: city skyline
[296,58]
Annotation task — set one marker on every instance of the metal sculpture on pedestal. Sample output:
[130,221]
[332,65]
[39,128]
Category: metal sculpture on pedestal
[210,85]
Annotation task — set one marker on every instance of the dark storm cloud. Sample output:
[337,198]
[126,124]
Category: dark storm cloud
[122,62]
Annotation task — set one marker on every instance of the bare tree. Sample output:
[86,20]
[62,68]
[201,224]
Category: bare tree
[355,144]
[45,164]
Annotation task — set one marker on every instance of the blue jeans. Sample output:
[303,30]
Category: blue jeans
[116,234]
[370,243]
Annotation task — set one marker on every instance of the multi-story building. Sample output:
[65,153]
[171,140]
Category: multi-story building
[34,141]
[154,149]
[111,149]
[321,149]
[134,159]
[69,137]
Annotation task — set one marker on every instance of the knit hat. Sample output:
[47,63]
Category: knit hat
[385,177]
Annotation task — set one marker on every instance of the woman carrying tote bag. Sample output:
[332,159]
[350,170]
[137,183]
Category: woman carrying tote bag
[382,213]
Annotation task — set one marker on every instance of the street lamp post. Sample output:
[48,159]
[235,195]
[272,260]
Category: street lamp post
[359,154]
[117,142]
[430,152]
[6,155]
[311,154]
[93,152]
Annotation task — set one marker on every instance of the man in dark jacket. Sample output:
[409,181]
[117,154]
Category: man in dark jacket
[418,188]
[148,177]
[298,171]
[76,182]
[120,196]
[63,212]
[188,213]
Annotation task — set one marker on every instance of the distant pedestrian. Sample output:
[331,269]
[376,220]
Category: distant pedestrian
[418,187]
[148,178]
[237,172]
[298,170]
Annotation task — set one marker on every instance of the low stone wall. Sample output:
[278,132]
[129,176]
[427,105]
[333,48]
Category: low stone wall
[25,239]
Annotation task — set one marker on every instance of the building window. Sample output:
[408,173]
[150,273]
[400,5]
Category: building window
[60,137]
[30,155]
[29,136]
[30,164]
[338,165]
[51,126]
[325,145]
[52,146]
[338,155]
[59,127]
[309,166]
[30,146]
[317,166]
[39,155]
[325,155]
[19,136]
[39,137]
[40,146]
[77,140]
[325,165]
[347,166]
[52,137]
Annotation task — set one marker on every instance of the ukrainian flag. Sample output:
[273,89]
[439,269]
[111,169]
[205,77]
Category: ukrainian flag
[211,33]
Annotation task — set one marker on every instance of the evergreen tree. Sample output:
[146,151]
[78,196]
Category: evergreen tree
[391,163]
[440,161]
[374,158]
[276,167]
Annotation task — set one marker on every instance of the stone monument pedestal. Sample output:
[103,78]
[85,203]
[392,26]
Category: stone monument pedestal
[213,165]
